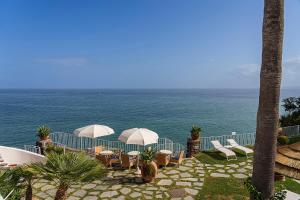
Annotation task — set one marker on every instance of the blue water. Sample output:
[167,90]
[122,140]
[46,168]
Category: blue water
[170,113]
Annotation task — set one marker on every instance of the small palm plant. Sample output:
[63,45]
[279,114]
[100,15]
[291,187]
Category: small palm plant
[43,132]
[67,169]
[19,179]
[195,132]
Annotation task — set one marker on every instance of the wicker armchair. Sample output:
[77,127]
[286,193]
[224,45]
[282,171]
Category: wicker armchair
[127,162]
[162,159]
[105,160]
[178,160]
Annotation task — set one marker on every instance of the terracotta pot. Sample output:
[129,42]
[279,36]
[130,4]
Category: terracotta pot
[44,138]
[195,136]
[148,178]
[279,177]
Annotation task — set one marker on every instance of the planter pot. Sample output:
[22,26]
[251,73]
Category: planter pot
[279,177]
[44,138]
[195,136]
[146,176]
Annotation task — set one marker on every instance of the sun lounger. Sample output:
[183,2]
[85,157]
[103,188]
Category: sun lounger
[234,144]
[228,153]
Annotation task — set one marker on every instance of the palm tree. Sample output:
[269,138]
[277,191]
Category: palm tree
[20,178]
[268,109]
[67,169]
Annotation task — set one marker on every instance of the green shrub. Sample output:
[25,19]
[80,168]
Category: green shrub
[283,140]
[54,149]
[291,106]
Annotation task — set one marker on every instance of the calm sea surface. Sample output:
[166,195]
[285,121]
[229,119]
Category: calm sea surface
[170,113]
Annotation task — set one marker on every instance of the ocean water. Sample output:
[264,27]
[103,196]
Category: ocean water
[170,113]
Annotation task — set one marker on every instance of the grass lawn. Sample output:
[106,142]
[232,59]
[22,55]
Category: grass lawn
[294,139]
[231,188]
[223,188]
[290,185]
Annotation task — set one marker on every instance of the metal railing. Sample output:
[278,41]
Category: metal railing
[291,131]
[71,141]
[32,148]
[242,139]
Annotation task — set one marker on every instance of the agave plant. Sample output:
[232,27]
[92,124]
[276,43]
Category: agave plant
[19,179]
[67,169]
[195,132]
[43,132]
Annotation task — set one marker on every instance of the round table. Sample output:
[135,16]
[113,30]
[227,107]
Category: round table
[133,153]
[165,152]
[106,153]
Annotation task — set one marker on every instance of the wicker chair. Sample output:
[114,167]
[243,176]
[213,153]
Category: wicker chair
[127,162]
[162,159]
[115,159]
[105,160]
[178,160]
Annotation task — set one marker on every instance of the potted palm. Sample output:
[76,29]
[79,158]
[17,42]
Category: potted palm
[195,132]
[43,132]
[69,169]
[149,167]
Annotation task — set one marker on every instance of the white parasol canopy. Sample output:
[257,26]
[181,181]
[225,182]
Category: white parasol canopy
[139,136]
[93,131]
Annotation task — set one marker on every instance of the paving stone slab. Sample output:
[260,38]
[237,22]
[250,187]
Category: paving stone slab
[135,194]
[219,175]
[80,193]
[109,194]
[181,183]
[177,193]
[239,175]
[165,182]
[191,191]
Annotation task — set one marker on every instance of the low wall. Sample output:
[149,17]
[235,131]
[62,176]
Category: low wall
[19,156]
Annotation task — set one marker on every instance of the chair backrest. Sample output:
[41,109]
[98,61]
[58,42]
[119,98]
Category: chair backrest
[216,144]
[125,160]
[232,142]
[105,160]
[98,149]
[180,156]
[162,159]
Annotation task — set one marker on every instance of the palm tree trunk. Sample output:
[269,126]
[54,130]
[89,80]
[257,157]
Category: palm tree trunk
[269,96]
[61,193]
[28,195]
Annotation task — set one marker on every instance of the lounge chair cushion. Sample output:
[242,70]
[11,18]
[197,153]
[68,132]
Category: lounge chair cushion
[234,144]
[217,145]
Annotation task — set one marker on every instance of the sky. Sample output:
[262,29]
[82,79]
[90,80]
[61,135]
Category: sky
[139,44]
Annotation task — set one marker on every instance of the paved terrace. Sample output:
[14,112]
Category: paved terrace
[184,182]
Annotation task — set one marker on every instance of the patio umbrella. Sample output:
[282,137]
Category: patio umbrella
[138,136]
[93,131]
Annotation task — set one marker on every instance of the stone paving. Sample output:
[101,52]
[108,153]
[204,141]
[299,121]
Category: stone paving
[240,170]
[183,182]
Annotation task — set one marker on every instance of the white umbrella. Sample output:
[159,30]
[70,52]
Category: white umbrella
[138,136]
[93,131]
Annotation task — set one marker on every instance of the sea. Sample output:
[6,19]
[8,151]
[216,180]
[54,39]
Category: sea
[169,112]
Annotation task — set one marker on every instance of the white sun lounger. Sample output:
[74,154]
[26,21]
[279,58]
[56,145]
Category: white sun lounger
[234,144]
[229,154]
